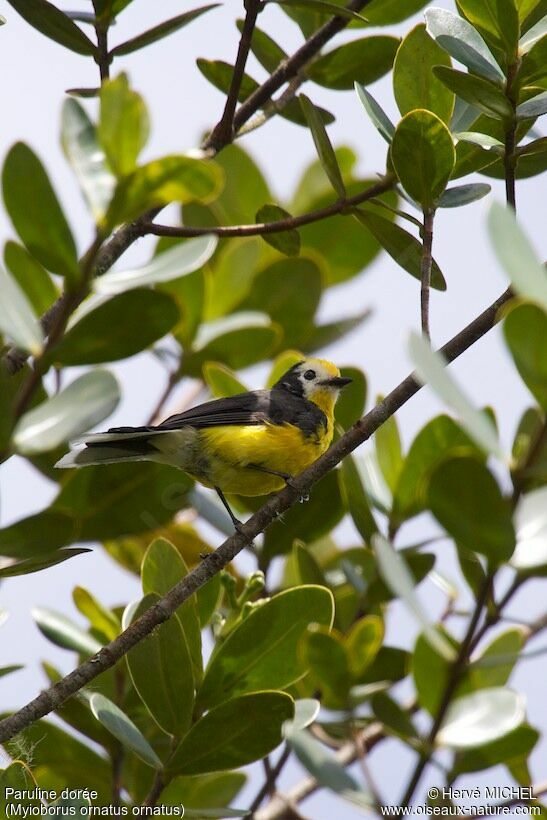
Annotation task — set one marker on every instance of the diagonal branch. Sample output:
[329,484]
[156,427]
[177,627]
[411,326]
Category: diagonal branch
[50,699]
[279,225]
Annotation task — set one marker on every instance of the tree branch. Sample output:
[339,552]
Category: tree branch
[279,225]
[223,132]
[426,264]
[50,699]
[268,787]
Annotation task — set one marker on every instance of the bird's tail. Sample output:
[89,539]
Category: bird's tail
[118,444]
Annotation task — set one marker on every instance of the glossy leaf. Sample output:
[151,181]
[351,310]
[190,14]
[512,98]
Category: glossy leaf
[55,24]
[431,369]
[463,42]
[237,340]
[288,242]
[161,670]
[356,499]
[482,94]
[485,141]
[360,61]
[101,619]
[513,746]
[377,115]
[497,18]
[535,107]
[414,84]
[397,576]
[160,31]
[36,213]
[326,660]
[363,643]
[531,527]
[123,125]
[463,194]
[221,380]
[242,665]
[481,717]
[404,248]
[29,565]
[430,671]
[31,277]
[323,7]
[179,261]
[423,155]
[494,664]
[88,160]
[17,318]
[323,145]
[466,500]
[113,719]
[305,712]
[525,331]
[389,451]
[516,255]
[227,737]
[533,61]
[85,402]
[36,536]
[63,632]
[162,181]
[231,276]
[386,12]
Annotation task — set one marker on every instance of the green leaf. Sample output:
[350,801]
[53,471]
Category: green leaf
[356,499]
[485,141]
[123,125]
[438,440]
[101,619]
[161,670]
[463,42]
[160,31]
[231,275]
[36,213]
[289,291]
[326,770]
[431,369]
[414,83]
[323,7]
[533,65]
[85,402]
[7,670]
[163,566]
[88,160]
[281,364]
[117,722]
[463,194]
[531,527]
[525,331]
[268,53]
[351,402]
[33,279]
[219,73]
[481,717]
[17,317]
[363,643]
[377,115]
[323,145]
[534,107]
[29,565]
[178,261]
[389,451]
[397,576]
[507,749]
[498,19]
[430,670]
[161,182]
[18,776]
[308,521]
[326,659]
[55,24]
[323,335]
[305,712]
[395,719]
[386,12]
[227,737]
[493,666]
[200,791]
[516,255]
[423,155]
[261,650]
[222,381]
[36,536]
[288,242]
[63,632]
[538,146]
[404,248]
[481,93]
[466,500]
[306,566]
[361,61]
[238,341]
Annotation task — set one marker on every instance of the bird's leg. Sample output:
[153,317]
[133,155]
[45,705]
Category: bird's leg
[235,521]
[287,478]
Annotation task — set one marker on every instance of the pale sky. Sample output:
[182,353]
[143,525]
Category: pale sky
[182,105]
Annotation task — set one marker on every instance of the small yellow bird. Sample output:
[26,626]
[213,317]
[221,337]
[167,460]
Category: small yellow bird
[249,444]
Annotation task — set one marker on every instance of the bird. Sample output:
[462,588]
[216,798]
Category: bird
[248,444]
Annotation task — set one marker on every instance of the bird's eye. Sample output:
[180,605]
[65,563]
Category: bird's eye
[309,375]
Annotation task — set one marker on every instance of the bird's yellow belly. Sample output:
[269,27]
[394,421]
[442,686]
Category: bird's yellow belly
[227,453]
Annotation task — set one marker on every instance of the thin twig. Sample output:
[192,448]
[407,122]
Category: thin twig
[426,264]
[223,132]
[102,57]
[454,677]
[51,698]
[277,226]
[268,787]
[510,157]
[157,787]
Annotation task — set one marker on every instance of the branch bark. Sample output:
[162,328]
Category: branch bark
[50,699]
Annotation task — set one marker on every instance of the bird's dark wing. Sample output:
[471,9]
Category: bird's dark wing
[245,408]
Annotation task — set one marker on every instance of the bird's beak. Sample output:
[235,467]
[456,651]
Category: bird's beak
[337,381]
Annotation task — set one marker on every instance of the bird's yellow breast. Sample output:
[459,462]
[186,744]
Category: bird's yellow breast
[227,454]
